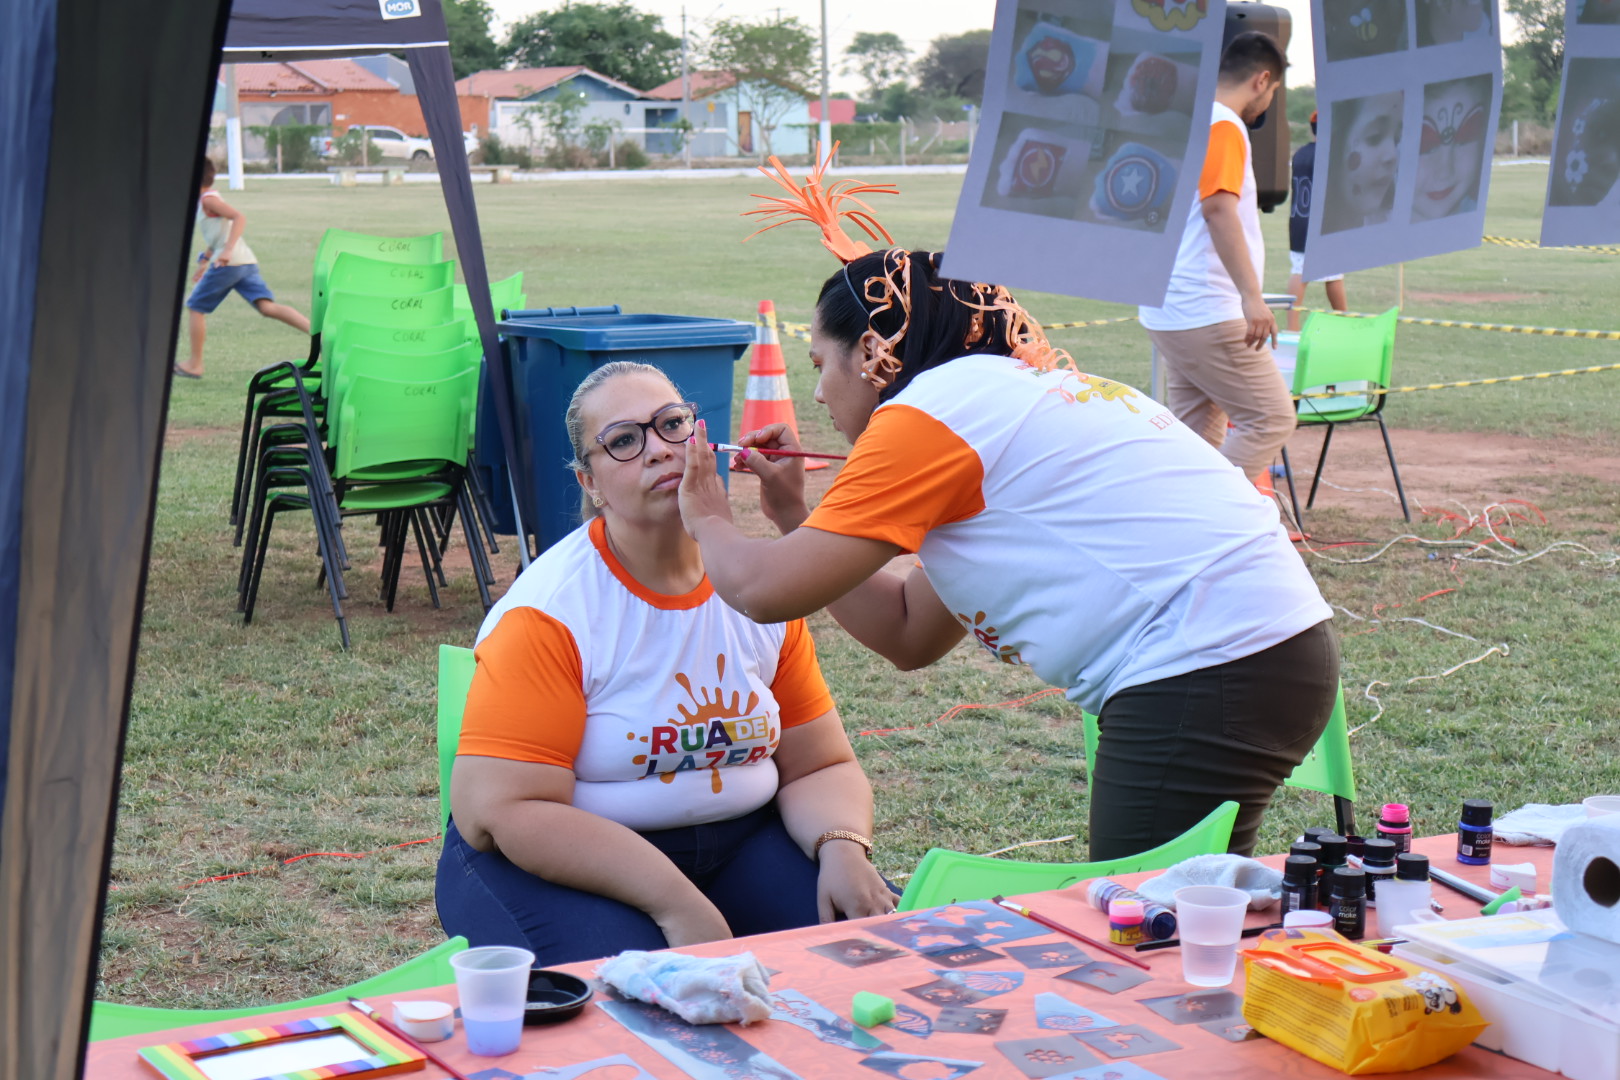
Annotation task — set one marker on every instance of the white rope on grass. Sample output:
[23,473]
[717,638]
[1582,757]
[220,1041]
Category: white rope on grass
[1372,697]
[1031,843]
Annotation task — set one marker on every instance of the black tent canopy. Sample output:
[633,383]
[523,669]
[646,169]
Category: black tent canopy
[106,107]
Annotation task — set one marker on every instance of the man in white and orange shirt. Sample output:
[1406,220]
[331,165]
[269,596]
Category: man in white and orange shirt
[1215,331]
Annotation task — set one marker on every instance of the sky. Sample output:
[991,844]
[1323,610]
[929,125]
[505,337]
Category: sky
[916,21]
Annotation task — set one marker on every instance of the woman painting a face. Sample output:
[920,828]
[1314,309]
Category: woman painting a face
[1456,121]
[1366,150]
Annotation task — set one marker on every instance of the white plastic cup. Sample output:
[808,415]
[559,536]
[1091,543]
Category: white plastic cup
[1210,923]
[1601,805]
[493,984]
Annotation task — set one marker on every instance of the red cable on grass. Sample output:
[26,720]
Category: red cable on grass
[956,710]
[312,855]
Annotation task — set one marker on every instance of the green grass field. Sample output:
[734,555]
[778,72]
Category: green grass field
[252,745]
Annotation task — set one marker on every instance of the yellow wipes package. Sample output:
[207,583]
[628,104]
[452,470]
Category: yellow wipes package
[1351,1007]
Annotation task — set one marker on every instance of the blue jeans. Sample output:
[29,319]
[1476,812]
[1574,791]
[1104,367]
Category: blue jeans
[749,867]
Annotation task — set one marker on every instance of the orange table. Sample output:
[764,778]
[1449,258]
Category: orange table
[1203,1055]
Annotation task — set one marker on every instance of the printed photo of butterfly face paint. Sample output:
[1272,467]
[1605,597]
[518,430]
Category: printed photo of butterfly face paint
[1054,60]
[1451,149]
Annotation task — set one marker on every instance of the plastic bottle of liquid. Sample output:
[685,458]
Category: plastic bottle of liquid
[1401,897]
[1348,902]
[1124,921]
[1474,833]
[1378,863]
[1299,883]
[1395,823]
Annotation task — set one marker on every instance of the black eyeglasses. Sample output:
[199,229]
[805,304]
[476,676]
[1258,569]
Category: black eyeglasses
[673,423]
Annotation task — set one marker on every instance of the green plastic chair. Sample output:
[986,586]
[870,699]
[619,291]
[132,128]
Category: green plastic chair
[946,877]
[357,273]
[411,312]
[111,1020]
[1355,355]
[504,295]
[456,667]
[388,364]
[1327,768]
[428,248]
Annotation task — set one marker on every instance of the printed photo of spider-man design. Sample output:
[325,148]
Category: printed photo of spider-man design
[1353,29]
[1586,149]
[1454,146]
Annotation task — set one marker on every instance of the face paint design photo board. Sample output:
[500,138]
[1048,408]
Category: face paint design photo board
[1583,181]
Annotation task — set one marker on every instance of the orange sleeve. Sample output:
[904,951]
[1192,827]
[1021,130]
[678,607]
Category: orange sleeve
[800,691]
[1226,161]
[527,701]
[907,474]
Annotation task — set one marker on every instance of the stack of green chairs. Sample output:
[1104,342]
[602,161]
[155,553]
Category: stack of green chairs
[945,876]
[389,326]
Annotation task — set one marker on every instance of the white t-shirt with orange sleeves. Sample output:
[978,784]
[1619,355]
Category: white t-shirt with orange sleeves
[668,709]
[1072,524]
[1201,291]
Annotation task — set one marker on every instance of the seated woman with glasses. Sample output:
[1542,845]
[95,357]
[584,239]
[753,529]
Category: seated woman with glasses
[641,766]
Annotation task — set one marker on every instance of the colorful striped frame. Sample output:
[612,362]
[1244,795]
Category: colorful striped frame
[176,1061]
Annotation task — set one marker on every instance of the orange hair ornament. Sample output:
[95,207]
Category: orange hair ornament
[823,205]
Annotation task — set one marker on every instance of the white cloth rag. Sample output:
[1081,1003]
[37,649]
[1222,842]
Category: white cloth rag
[722,990]
[1261,882]
[1540,824]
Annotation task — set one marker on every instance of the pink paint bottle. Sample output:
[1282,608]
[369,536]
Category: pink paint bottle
[1395,823]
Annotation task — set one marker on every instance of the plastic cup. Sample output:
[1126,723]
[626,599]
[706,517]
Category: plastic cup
[1601,805]
[493,984]
[1210,923]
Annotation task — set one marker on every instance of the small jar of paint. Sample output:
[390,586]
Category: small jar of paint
[1378,863]
[1347,902]
[1395,823]
[1299,882]
[1124,921]
[1474,833]
[1330,859]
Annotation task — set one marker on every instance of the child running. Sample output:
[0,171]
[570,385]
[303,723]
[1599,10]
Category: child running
[226,263]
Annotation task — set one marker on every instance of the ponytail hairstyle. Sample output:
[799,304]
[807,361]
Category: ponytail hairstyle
[924,320]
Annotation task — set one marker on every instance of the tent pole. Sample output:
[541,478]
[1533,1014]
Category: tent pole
[233,130]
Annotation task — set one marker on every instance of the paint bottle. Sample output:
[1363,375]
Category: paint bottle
[1299,883]
[1348,902]
[1474,833]
[1124,921]
[1314,834]
[1404,895]
[1158,921]
[1378,863]
[1330,859]
[1395,823]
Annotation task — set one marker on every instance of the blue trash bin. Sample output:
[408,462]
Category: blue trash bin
[551,350]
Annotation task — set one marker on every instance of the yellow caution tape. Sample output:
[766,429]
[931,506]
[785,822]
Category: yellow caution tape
[1515,242]
[1466,382]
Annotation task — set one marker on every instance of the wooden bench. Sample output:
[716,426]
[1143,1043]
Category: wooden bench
[498,174]
[349,175]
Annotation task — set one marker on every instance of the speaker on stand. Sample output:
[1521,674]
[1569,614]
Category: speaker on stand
[1268,136]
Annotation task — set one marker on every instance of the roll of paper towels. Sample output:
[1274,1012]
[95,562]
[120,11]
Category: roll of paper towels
[1586,877]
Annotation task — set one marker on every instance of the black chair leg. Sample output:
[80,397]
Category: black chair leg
[1344,814]
[259,550]
[1390,450]
[480,562]
[237,503]
[1293,496]
[1327,440]
[422,550]
[397,532]
[481,503]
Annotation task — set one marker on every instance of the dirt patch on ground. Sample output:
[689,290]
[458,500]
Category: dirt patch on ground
[179,436]
[1471,468]
[1468,297]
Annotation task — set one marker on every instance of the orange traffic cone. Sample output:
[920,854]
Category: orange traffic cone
[767,400]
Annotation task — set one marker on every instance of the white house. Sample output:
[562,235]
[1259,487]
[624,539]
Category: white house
[719,104]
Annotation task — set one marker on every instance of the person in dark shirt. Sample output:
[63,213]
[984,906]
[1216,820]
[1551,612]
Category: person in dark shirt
[1299,216]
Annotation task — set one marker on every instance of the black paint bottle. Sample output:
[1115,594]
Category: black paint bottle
[1348,902]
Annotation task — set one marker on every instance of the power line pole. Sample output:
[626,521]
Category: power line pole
[686,98]
[233,131]
[826,113]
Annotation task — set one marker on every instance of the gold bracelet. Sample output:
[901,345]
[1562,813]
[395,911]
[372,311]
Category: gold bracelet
[842,834]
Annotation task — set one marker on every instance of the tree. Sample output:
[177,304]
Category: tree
[878,58]
[954,65]
[471,47]
[771,60]
[612,39]
[1534,62]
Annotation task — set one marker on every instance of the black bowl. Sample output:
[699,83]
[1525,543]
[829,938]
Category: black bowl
[553,996]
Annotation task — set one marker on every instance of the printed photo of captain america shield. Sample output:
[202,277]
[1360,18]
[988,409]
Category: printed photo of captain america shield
[1408,93]
[1583,181]
[1080,170]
